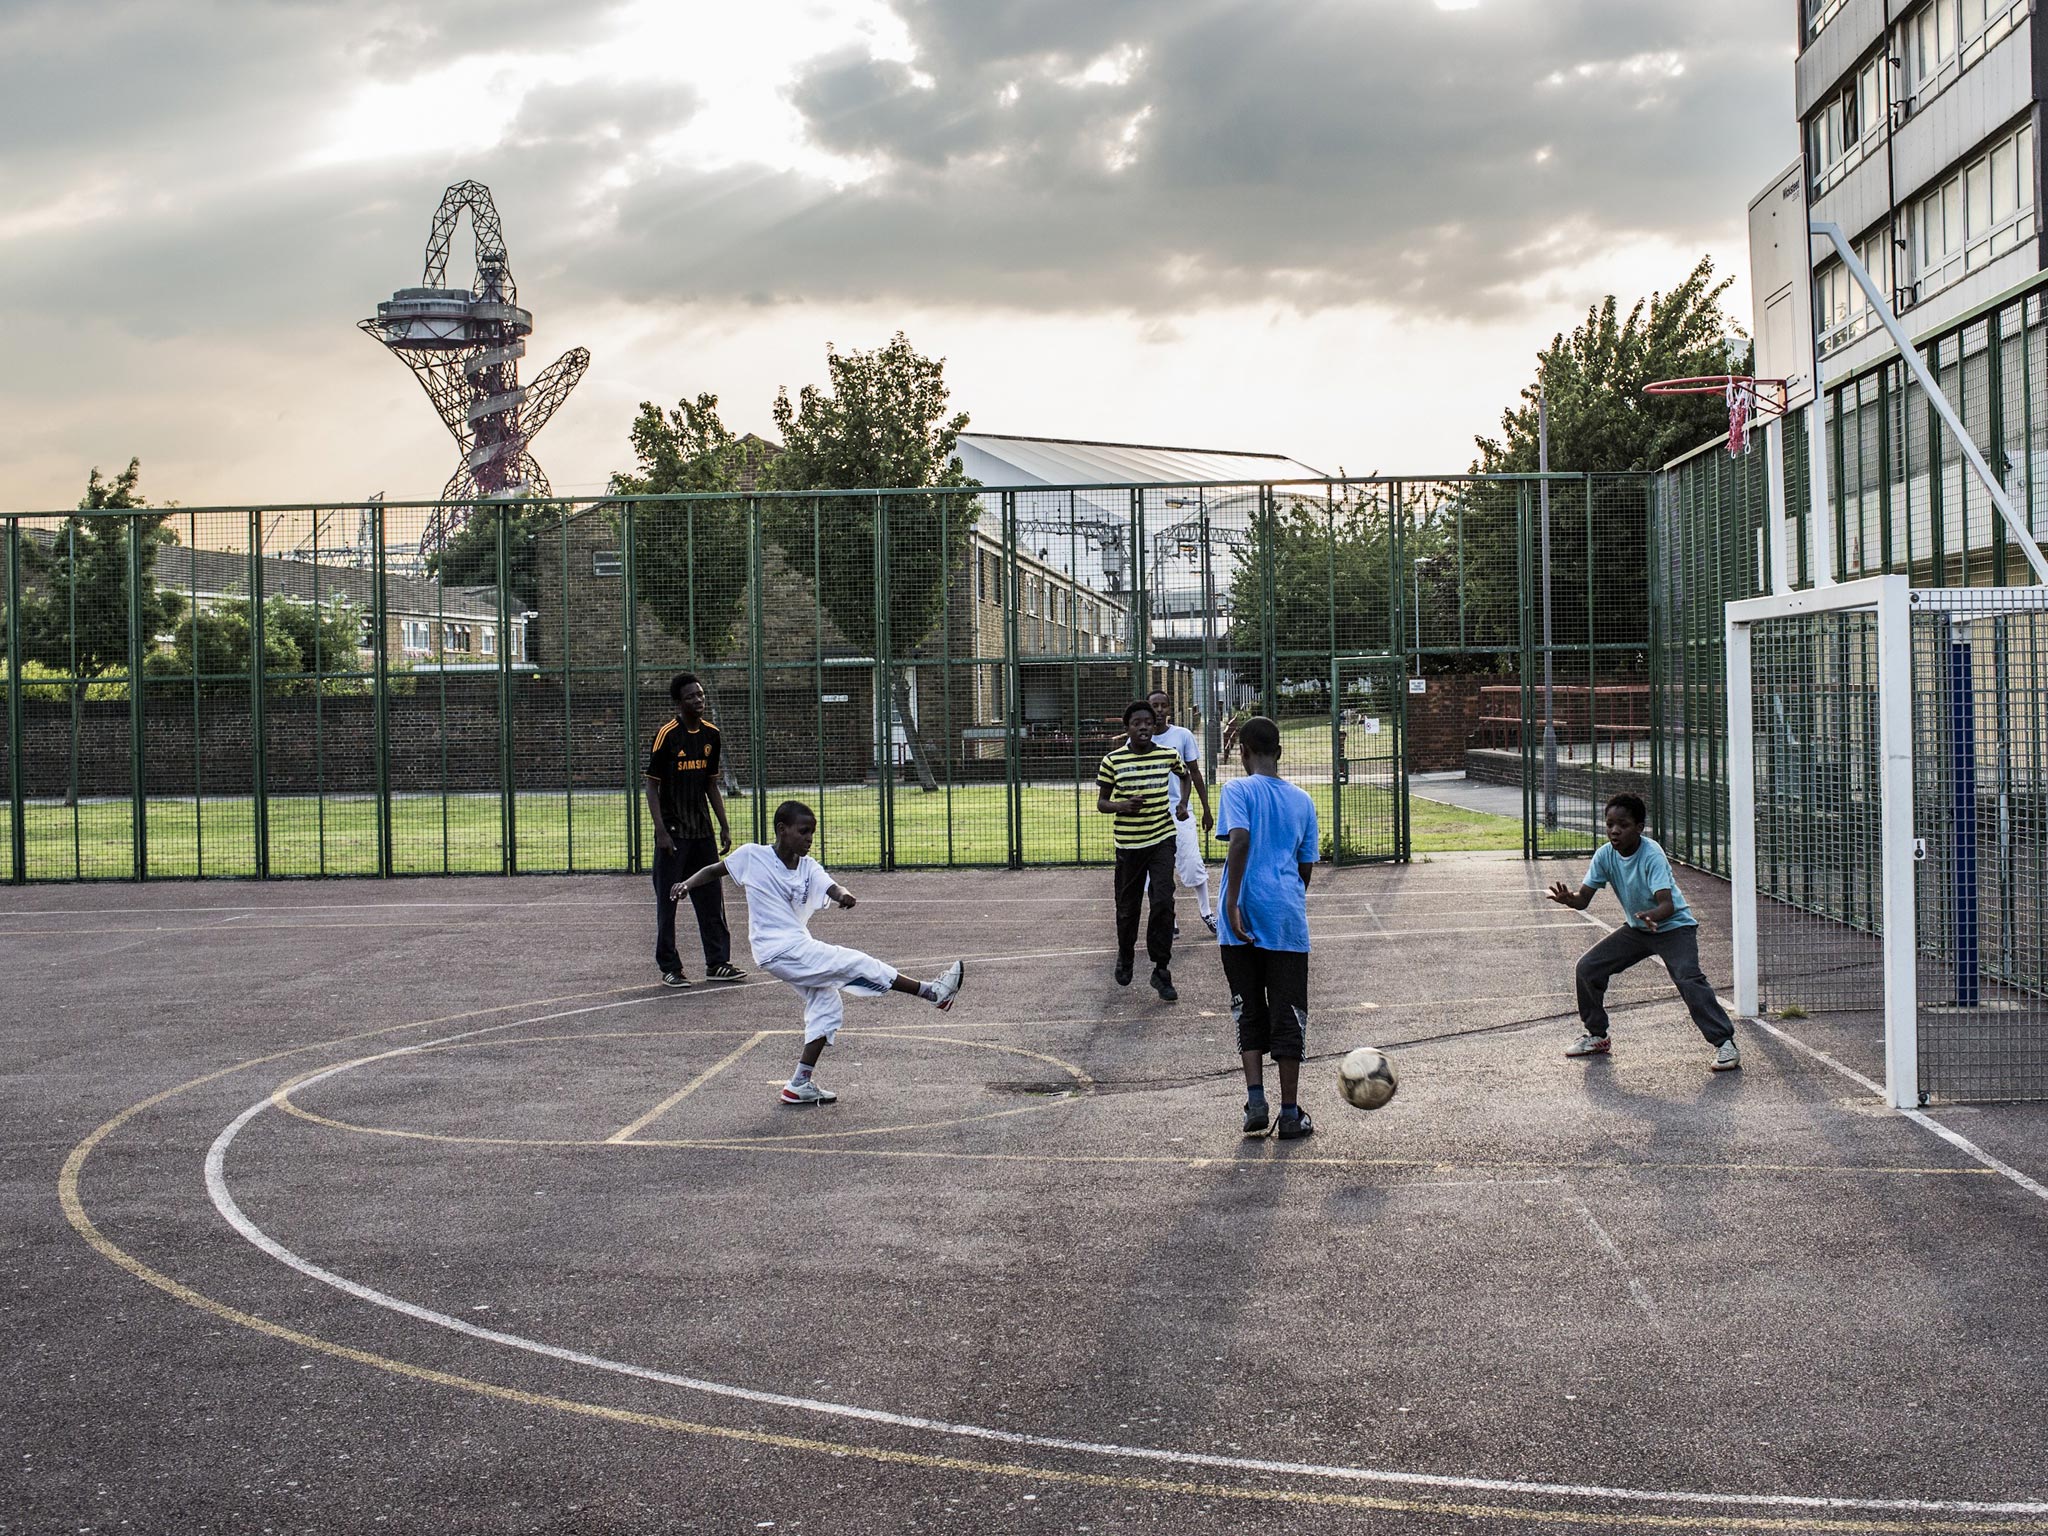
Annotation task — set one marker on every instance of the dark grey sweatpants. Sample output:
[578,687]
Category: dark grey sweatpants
[1679,949]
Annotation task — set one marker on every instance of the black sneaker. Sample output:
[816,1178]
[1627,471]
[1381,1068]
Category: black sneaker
[1256,1118]
[726,972]
[1294,1127]
[674,979]
[1123,971]
[1162,983]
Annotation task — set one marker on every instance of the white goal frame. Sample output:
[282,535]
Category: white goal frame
[1890,598]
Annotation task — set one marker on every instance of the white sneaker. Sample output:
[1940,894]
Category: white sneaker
[1728,1058]
[808,1092]
[947,985]
[1589,1045]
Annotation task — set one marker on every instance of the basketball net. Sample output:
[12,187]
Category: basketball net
[1741,406]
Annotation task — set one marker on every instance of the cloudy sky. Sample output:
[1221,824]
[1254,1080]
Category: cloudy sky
[1337,229]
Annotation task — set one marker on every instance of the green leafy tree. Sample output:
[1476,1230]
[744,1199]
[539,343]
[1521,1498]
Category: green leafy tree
[690,557]
[75,615]
[214,643]
[882,423]
[1601,421]
[470,557]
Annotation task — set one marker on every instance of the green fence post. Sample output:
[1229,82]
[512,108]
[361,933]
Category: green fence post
[1525,609]
[1994,329]
[1654,650]
[17,800]
[1012,691]
[258,730]
[508,803]
[757,650]
[137,758]
[885,682]
[1269,644]
[380,691]
[629,691]
[1141,597]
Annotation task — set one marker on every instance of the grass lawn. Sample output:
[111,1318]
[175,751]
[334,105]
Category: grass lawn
[464,833]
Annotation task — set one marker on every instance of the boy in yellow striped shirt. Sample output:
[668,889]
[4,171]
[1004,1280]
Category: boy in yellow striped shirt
[1134,785]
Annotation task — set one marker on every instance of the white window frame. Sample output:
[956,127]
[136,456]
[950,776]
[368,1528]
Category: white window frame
[489,637]
[1973,236]
[1969,38]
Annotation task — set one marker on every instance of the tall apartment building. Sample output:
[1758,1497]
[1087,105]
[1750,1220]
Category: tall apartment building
[1921,130]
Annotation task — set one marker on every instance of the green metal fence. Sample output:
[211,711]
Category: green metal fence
[301,690]
[1901,499]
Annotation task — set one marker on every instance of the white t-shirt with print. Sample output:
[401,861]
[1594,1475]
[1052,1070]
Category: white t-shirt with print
[780,900]
[1182,740]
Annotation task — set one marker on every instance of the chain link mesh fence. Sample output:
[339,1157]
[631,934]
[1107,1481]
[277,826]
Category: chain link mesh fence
[376,690]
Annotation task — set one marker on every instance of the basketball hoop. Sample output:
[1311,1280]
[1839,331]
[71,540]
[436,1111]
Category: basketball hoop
[1749,399]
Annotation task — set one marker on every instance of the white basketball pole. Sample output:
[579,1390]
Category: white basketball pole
[1910,356]
[1774,473]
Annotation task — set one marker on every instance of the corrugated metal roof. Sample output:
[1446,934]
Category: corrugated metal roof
[996,459]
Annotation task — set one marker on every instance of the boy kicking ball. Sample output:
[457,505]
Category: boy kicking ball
[784,886]
[1274,844]
[1659,923]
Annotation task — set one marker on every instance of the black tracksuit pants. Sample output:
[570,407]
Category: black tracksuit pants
[690,855]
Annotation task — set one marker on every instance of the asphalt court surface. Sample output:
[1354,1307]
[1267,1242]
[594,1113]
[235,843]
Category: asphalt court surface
[399,1206]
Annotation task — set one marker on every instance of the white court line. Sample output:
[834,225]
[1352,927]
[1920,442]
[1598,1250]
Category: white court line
[1919,1117]
[224,1202]
[1636,1292]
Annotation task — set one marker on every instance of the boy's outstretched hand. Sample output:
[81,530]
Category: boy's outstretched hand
[1561,893]
[845,900]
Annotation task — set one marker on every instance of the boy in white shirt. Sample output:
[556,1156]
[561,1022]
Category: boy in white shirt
[784,886]
[1188,867]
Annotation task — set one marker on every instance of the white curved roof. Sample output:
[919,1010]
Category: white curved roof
[998,460]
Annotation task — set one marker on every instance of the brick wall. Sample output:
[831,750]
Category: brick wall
[1443,721]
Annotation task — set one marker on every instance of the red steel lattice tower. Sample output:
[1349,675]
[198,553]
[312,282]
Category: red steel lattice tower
[464,346]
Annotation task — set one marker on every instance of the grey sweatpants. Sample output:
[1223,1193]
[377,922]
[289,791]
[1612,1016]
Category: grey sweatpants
[1679,949]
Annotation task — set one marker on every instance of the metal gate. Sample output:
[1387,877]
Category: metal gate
[1368,806]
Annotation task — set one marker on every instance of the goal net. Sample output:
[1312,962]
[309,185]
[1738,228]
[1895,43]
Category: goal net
[1888,785]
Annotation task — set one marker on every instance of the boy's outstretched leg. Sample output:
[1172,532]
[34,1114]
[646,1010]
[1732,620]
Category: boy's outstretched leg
[939,993]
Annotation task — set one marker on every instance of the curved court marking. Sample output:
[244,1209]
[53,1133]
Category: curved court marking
[282,1095]
[74,1211]
[224,1202]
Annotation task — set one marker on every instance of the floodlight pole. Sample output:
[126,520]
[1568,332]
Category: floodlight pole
[1543,524]
[1910,356]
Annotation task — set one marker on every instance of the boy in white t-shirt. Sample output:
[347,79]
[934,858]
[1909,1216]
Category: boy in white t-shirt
[1188,867]
[784,886]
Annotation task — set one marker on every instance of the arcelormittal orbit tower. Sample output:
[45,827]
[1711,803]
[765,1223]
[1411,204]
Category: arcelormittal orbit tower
[464,345]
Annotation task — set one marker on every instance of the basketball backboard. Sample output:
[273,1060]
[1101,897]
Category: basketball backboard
[1781,284]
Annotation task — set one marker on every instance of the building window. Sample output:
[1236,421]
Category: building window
[490,640]
[519,642]
[1842,311]
[1974,216]
[1945,37]
[1819,13]
[455,637]
[1850,124]
[413,635]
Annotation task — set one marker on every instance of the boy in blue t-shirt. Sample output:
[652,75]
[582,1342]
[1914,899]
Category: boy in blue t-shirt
[1659,923]
[1271,828]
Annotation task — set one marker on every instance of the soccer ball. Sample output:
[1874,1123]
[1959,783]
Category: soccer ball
[1366,1078]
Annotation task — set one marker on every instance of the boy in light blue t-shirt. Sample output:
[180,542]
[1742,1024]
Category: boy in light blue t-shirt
[1271,828]
[1659,923]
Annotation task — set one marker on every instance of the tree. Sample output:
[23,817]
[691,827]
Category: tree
[470,557]
[75,615]
[882,425]
[213,644]
[1600,419]
[690,558]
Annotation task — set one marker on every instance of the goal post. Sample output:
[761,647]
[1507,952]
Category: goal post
[1833,757]
[1888,826]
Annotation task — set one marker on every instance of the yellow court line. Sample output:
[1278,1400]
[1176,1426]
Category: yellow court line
[74,1212]
[626,1133]
[70,1175]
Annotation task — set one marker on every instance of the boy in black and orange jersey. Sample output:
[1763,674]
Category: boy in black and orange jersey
[683,769]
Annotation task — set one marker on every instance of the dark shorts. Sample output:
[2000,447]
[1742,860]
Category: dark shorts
[1268,998]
